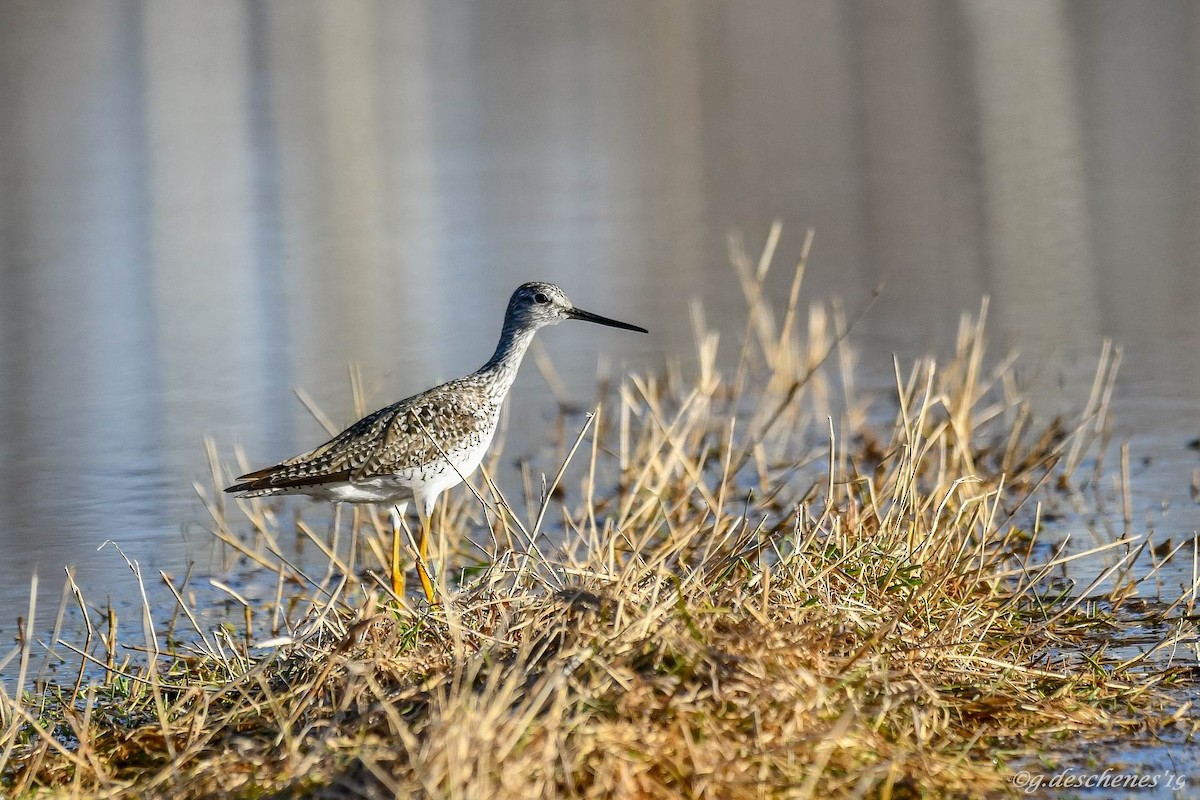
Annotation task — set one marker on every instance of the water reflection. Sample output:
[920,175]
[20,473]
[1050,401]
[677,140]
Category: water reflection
[204,205]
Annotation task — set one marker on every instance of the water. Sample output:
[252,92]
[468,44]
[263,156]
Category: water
[204,205]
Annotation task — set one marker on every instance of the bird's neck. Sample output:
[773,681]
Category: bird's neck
[502,366]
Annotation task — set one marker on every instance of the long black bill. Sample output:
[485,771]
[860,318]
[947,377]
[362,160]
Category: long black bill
[587,316]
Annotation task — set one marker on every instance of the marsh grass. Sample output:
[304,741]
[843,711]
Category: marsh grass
[736,586]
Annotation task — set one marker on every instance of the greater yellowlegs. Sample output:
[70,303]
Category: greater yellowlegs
[418,448]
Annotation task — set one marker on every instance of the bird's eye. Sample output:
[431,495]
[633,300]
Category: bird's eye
[540,298]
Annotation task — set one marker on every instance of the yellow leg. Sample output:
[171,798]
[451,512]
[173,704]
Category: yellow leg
[397,574]
[423,559]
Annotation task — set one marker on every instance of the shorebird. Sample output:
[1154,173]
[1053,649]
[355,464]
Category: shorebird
[414,450]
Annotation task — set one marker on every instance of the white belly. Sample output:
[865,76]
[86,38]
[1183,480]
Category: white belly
[375,490]
[445,473]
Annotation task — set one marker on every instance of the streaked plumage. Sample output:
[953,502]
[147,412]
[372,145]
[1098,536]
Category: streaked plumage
[417,448]
[382,456]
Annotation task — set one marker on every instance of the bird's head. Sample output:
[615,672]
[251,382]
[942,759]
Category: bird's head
[536,305]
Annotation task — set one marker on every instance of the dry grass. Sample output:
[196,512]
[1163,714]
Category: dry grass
[748,595]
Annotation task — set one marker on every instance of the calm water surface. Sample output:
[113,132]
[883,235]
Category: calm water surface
[204,205]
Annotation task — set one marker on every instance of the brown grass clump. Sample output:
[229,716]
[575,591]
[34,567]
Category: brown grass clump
[747,597]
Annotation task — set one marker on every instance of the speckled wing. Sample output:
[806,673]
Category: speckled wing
[397,440]
[438,425]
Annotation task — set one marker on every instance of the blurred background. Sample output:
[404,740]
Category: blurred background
[206,204]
